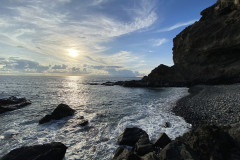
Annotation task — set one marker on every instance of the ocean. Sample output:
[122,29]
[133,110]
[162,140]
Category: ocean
[109,110]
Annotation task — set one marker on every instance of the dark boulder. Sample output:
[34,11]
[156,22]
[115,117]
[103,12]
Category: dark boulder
[81,117]
[130,136]
[83,122]
[143,149]
[13,103]
[125,154]
[50,151]
[108,83]
[213,142]
[150,156]
[162,141]
[178,151]
[61,111]
[167,125]
[234,131]
[46,119]
[143,146]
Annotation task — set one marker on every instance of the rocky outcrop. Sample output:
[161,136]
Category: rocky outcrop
[162,141]
[13,103]
[178,151]
[124,153]
[135,145]
[50,151]
[60,112]
[206,52]
[205,142]
[130,136]
[214,142]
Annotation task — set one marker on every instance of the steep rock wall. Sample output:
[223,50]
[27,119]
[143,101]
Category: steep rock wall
[206,52]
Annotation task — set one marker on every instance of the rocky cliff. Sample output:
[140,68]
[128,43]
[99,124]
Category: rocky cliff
[206,52]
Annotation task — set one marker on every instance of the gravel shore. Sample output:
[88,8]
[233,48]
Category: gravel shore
[218,105]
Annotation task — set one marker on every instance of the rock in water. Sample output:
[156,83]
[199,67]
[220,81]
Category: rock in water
[50,151]
[167,125]
[13,103]
[83,122]
[130,136]
[61,111]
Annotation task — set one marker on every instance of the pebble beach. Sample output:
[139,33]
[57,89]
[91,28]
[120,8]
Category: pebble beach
[217,105]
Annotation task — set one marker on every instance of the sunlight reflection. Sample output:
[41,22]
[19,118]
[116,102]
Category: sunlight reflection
[75,91]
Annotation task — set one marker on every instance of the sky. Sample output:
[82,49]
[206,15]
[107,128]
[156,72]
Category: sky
[91,37]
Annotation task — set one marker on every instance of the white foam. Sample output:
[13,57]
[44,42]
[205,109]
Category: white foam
[152,117]
[9,134]
[99,138]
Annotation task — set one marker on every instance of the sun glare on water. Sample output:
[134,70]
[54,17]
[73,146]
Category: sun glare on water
[73,52]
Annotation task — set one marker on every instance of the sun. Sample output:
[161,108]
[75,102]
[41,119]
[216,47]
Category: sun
[73,52]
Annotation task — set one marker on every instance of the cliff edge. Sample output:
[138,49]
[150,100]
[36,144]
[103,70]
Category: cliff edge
[206,52]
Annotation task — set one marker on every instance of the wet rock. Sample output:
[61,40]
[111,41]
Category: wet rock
[162,141]
[61,111]
[125,154]
[108,83]
[213,142]
[143,149]
[234,132]
[13,103]
[81,117]
[150,156]
[143,146]
[83,122]
[50,151]
[178,151]
[167,125]
[93,84]
[46,119]
[130,136]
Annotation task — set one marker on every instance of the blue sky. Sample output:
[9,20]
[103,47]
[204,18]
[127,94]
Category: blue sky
[110,37]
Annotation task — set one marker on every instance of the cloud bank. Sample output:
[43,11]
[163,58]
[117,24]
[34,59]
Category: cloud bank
[22,66]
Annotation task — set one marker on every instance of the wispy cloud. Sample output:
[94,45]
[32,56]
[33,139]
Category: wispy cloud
[159,42]
[178,25]
[98,2]
[47,29]
[56,28]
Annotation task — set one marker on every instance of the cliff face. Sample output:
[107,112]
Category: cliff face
[206,52]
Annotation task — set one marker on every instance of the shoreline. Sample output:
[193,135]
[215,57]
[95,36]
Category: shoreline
[210,104]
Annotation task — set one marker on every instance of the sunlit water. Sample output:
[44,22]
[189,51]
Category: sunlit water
[109,110]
